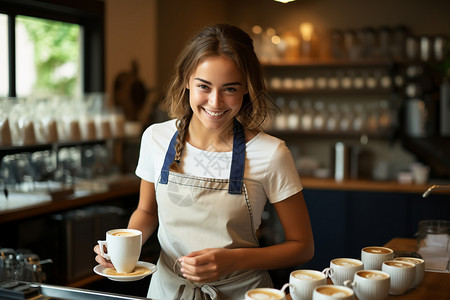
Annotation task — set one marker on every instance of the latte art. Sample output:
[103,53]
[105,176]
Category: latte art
[372,275]
[123,233]
[377,250]
[409,259]
[332,291]
[304,275]
[346,262]
[398,264]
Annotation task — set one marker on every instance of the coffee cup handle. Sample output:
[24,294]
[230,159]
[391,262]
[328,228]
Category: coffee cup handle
[349,284]
[102,244]
[286,285]
[328,272]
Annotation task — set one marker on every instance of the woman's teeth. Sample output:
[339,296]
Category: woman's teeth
[214,114]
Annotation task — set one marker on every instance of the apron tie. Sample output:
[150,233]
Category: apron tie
[191,290]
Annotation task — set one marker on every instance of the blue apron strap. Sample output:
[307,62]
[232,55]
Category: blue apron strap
[237,159]
[168,160]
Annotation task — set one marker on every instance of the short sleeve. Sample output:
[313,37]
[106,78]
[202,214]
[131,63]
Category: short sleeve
[281,179]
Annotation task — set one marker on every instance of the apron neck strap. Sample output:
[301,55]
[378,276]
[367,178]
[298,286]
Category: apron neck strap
[237,159]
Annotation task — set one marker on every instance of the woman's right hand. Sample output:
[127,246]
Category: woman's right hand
[100,259]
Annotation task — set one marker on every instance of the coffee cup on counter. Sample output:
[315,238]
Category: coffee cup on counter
[374,256]
[370,284]
[420,268]
[303,282]
[266,293]
[402,275]
[123,248]
[333,292]
[342,269]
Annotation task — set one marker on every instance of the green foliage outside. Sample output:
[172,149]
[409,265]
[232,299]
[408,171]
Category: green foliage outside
[55,45]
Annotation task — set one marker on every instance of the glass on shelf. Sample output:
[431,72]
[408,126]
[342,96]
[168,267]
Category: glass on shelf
[346,118]
[333,117]
[281,117]
[5,130]
[307,115]
[385,117]
[293,119]
[359,120]
[319,116]
[372,118]
[22,126]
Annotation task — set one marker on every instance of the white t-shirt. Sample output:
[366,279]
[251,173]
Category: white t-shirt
[270,172]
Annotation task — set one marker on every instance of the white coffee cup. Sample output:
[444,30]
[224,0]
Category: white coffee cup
[370,284]
[123,248]
[303,282]
[266,293]
[333,292]
[402,275]
[420,268]
[342,269]
[374,256]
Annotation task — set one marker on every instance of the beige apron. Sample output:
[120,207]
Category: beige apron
[197,213]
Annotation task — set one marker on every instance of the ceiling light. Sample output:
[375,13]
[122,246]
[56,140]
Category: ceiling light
[284,1]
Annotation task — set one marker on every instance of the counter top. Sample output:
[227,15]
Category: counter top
[28,205]
[366,185]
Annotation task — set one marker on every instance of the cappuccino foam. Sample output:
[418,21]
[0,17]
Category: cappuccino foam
[398,264]
[409,259]
[377,250]
[123,233]
[372,275]
[305,275]
[333,291]
[346,262]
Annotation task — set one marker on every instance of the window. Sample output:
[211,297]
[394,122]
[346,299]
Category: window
[51,49]
[48,60]
[4,64]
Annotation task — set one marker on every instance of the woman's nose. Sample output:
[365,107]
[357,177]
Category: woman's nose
[215,98]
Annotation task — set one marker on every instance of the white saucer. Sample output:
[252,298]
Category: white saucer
[99,269]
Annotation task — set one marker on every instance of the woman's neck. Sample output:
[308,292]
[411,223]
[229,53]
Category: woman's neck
[214,140]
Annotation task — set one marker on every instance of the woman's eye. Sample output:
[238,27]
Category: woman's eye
[203,86]
[230,89]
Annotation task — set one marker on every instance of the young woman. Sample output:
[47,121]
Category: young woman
[207,174]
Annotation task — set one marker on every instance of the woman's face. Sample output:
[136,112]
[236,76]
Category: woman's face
[216,92]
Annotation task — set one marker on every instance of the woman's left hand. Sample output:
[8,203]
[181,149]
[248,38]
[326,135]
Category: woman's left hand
[208,264]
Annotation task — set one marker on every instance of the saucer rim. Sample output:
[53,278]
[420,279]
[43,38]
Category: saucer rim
[98,269]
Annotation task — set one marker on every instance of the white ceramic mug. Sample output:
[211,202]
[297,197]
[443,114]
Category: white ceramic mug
[374,256]
[342,269]
[266,293]
[123,248]
[402,275]
[370,284]
[333,292]
[420,268]
[303,282]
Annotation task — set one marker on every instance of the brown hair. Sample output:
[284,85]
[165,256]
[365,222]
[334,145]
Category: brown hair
[234,43]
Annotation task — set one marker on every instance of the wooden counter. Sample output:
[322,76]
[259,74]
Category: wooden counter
[367,185]
[125,185]
[433,286]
